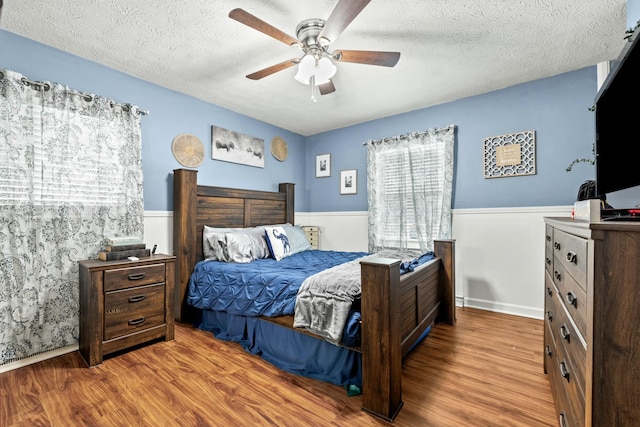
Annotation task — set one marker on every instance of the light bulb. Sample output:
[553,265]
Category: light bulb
[324,71]
[305,69]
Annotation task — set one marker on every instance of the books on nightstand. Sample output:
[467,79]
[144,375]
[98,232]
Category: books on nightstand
[118,248]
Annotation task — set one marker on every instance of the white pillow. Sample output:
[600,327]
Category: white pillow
[215,243]
[278,242]
[244,246]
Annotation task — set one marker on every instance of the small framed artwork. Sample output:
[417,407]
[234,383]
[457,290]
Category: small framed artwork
[323,165]
[349,181]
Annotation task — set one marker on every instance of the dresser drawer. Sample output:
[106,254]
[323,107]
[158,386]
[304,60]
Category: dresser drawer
[123,278]
[571,345]
[569,406]
[574,297]
[130,310]
[548,260]
[571,252]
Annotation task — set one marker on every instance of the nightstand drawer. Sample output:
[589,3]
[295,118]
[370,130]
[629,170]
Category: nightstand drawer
[123,278]
[130,310]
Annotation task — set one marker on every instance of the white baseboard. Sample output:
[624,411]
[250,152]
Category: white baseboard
[20,363]
[517,310]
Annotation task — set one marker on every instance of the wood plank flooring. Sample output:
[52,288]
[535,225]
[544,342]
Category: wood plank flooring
[485,371]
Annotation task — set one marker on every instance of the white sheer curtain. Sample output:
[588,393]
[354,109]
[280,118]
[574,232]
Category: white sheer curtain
[70,174]
[409,186]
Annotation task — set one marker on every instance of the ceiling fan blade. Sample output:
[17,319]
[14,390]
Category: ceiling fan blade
[249,20]
[370,57]
[326,88]
[272,69]
[342,15]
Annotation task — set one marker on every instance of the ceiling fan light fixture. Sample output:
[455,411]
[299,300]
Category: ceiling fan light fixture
[306,68]
[324,70]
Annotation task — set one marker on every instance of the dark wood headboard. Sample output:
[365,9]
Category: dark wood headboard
[195,206]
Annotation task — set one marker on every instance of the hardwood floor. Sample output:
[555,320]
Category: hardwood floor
[485,371]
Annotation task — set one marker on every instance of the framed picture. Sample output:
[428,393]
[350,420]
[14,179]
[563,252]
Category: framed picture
[323,165]
[508,155]
[236,147]
[349,181]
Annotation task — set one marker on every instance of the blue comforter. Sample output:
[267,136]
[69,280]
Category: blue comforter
[264,287]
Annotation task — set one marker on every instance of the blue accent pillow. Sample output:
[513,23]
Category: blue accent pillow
[278,242]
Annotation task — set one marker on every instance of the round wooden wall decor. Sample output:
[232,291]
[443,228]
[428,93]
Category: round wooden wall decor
[279,148]
[188,150]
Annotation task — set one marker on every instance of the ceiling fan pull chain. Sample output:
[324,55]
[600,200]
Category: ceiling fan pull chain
[313,88]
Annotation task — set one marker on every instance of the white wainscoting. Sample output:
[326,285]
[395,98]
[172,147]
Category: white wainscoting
[500,258]
[499,251]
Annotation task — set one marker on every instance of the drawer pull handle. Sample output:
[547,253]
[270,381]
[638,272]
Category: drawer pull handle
[564,332]
[136,276]
[562,419]
[548,238]
[571,299]
[572,257]
[548,351]
[557,276]
[550,316]
[556,245]
[564,372]
[138,321]
[549,291]
[137,298]
[548,260]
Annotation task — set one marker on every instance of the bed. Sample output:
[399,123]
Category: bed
[396,310]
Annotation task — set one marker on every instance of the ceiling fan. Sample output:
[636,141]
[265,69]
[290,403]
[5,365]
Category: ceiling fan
[315,66]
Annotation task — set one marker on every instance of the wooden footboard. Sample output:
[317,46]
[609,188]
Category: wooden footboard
[396,310]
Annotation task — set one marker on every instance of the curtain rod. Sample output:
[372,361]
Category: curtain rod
[43,86]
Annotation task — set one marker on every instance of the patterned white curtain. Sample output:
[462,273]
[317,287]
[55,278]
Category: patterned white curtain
[409,186]
[70,174]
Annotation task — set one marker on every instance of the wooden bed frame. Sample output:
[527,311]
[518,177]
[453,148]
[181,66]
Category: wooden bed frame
[396,310]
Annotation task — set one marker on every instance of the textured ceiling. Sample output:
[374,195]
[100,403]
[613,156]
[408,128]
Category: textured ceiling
[449,49]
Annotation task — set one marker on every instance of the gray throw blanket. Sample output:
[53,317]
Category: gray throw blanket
[324,300]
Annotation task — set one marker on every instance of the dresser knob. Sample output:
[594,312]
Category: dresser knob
[556,245]
[571,299]
[572,257]
[549,291]
[549,316]
[548,260]
[564,332]
[557,276]
[548,238]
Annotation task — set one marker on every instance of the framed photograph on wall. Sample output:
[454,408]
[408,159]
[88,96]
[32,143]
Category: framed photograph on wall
[235,147]
[323,165]
[349,181]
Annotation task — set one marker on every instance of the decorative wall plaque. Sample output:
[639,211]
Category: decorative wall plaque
[513,154]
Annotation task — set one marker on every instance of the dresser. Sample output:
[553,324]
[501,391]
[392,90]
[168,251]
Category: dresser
[312,233]
[124,303]
[592,321]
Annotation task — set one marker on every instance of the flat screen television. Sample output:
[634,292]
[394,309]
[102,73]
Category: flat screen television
[618,124]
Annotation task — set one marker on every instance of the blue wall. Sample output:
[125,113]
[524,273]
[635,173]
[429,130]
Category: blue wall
[172,114]
[556,108]
[633,13]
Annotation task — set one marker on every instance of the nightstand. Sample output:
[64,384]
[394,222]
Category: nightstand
[313,235]
[124,303]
